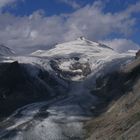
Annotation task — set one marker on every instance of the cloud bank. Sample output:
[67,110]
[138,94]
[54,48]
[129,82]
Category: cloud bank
[90,21]
[6,2]
[121,45]
[71,3]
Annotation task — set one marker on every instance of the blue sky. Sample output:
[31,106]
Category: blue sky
[64,20]
[51,7]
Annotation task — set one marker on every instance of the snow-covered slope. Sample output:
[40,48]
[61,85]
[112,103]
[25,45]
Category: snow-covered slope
[5,51]
[78,47]
[77,59]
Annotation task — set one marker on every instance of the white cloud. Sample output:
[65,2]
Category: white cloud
[121,45]
[71,3]
[89,21]
[6,2]
[133,8]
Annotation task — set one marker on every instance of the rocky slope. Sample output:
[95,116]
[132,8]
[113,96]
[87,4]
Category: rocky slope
[119,119]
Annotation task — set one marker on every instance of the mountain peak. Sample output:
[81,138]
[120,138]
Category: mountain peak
[4,50]
[81,38]
[80,46]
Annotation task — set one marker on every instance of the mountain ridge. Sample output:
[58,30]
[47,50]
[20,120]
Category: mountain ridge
[65,86]
[80,44]
[5,51]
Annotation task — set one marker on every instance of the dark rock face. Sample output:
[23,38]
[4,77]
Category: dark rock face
[11,77]
[138,54]
[18,87]
[75,69]
[84,67]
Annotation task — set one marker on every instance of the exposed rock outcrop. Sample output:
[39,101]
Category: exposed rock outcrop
[119,116]
[18,87]
[138,54]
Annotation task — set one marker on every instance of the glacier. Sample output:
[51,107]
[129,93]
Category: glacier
[76,64]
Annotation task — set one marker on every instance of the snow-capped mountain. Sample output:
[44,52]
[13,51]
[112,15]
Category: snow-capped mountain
[79,47]
[77,59]
[5,51]
[66,77]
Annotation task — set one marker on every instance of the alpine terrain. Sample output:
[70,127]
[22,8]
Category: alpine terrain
[5,51]
[78,90]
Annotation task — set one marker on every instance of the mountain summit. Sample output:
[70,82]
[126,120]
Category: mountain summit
[79,58]
[77,47]
[5,51]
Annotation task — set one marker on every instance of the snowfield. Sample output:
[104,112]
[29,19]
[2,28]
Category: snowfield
[79,62]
